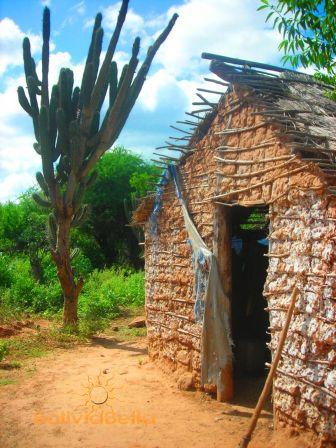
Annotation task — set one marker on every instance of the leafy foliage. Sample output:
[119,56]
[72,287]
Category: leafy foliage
[121,176]
[309,31]
[254,221]
[23,230]
[328,79]
[106,294]
[4,349]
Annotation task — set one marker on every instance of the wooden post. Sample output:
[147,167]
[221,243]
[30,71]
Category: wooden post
[269,380]
[222,252]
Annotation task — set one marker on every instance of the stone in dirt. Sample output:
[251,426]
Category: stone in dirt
[138,322]
[186,381]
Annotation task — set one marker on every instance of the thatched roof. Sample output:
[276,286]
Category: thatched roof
[142,212]
[297,103]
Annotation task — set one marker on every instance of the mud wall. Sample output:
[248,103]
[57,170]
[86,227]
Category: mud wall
[302,249]
[243,160]
[173,334]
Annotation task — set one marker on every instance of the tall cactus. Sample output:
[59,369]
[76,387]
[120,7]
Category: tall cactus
[71,135]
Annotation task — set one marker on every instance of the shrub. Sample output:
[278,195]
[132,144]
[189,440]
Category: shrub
[106,294]
[4,349]
[25,294]
[5,273]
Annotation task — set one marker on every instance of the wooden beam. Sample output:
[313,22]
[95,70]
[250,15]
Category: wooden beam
[222,252]
[220,58]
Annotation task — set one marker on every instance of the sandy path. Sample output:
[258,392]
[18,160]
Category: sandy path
[144,409]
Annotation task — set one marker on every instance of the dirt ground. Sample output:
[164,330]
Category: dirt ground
[107,394]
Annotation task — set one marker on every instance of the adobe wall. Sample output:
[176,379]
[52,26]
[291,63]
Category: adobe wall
[173,334]
[256,168]
[302,245]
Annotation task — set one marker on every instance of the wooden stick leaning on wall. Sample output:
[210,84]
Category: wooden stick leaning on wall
[269,380]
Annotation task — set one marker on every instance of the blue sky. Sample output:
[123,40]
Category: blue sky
[233,28]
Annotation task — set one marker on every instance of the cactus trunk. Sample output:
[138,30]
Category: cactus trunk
[70,286]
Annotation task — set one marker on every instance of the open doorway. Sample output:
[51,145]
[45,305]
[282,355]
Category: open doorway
[249,318]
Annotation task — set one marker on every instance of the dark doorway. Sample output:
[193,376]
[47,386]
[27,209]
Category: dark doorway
[250,321]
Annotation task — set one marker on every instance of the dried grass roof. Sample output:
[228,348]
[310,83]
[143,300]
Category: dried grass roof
[296,102]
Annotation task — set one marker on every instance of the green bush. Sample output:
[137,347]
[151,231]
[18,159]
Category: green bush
[107,293]
[25,294]
[24,288]
[4,349]
[5,273]
[105,296]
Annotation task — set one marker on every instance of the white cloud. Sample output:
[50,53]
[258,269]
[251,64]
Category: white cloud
[234,29]
[79,8]
[46,2]
[160,82]
[162,88]
[14,184]
[76,10]
[11,38]
[16,150]
[219,26]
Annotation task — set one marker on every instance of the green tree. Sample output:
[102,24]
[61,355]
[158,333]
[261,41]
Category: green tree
[71,136]
[23,231]
[121,176]
[309,31]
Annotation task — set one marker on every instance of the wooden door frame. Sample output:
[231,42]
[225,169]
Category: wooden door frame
[222,252]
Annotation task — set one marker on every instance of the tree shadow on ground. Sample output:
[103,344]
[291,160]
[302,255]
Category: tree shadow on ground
[113,344]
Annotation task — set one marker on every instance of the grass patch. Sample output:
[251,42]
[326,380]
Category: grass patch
[8,314]
[129,334]
[7,381]
[38,345]
[118,328]
[32,347]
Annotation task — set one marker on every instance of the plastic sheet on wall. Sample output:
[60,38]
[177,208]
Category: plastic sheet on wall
[158,202]
[212,306]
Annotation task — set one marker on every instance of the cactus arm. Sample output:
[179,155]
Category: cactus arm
[23,100]
[47,163]
[53,122]
[29,68]
[41,202]
[75,102]
[42,183]
[52,230]
[102,80]
[87,85]
[108,128]
[108,136]
[45,57]
[91,64]
[113,83]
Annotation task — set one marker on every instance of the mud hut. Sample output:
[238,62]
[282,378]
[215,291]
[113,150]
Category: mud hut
[246,212]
